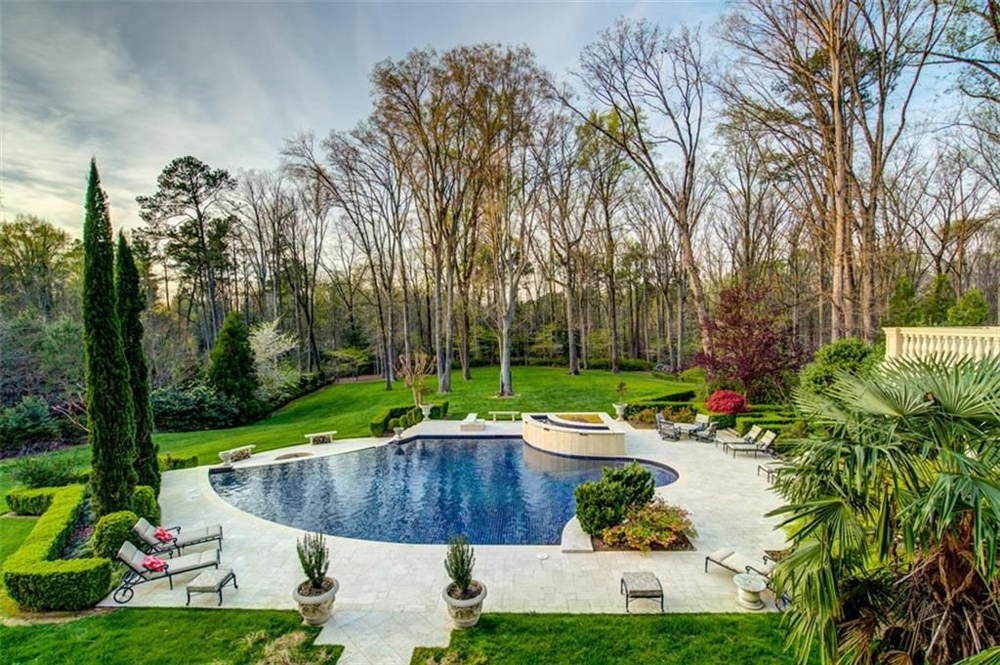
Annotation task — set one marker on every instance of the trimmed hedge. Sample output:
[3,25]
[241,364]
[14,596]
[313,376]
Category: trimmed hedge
[170,463]
[403,416]
[111,531]
[37,579]
[144,504]
[29,501]
[624,364]
[772,421]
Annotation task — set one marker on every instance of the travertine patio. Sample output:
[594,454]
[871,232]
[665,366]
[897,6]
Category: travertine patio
[390,595]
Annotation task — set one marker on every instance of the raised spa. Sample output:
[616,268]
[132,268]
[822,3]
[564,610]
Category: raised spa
[492,491]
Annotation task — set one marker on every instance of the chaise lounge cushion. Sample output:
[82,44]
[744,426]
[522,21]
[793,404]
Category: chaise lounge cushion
[134,558]
[731,560]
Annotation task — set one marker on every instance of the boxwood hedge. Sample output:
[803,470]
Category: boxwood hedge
[24,501]
[37,579]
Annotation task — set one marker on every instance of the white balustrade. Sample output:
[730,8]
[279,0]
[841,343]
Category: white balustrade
[973,342]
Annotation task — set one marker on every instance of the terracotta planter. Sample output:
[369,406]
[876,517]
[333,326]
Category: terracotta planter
[315,610]
[620,410]
[465,613]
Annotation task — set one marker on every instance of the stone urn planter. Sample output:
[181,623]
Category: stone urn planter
[316,594]
[426,410]
[620,410]
[316,608]
[398,431]
[465,609]
[464,596]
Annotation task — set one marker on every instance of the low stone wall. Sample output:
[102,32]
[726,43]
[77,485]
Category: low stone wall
[563,438]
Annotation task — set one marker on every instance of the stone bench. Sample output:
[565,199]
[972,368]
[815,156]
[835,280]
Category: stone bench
[321,437]
[236,454]
[513,414]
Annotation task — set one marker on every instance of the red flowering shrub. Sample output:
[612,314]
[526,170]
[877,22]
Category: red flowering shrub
[726,401]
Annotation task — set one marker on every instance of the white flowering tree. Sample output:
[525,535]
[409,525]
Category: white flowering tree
[269,345]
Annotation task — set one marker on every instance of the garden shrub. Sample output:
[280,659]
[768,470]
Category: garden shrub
[196,408]
[634,408]
[850,356]
[692,375]
[37,579]
[45,471]
[111,531]
[27,423]
[439,411]
[380,424]
[144,504]
[655,523]
[170,463]
[29,501]
[232,371]
[624,364]
[727,402]
[603,503]
[776,422]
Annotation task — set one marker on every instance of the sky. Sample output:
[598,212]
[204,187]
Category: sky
[136,84]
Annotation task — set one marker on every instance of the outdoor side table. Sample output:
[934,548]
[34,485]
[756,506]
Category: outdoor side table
[641,585]
[749,588]
[211,581]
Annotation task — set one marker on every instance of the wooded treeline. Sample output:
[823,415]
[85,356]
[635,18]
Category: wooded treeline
[488,212]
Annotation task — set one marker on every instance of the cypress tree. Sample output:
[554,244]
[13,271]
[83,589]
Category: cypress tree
[110,419]
[939,298]
[130,305]
[232,371]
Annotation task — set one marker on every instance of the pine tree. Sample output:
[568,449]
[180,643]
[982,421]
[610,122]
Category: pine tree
[232,371]
[904,310]
[937,301]
[130,305]
[110,419]
[970,310]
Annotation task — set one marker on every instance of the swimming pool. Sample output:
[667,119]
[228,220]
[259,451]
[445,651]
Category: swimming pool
[492,491]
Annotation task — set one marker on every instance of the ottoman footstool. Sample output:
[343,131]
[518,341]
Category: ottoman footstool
[641,585]
[211,581]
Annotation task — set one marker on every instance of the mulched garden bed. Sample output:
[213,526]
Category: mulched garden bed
[682,544]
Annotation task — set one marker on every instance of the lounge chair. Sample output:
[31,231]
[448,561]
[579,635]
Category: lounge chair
[750,438]
[762,445]
[667,429]
[702,421]
[196,536]
[731,560]
[137,574]
[472,424]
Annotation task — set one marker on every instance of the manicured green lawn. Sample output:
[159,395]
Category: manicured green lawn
[572,639]
[348,407]
[165,637]
[13,531]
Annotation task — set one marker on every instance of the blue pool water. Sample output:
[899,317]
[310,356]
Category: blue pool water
[492,491]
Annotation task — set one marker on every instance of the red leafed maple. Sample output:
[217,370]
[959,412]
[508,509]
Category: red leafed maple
[751,343]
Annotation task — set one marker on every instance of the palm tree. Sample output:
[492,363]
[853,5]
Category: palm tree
[892,511]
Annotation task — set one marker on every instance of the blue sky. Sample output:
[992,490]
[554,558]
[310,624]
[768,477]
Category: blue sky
[136,84]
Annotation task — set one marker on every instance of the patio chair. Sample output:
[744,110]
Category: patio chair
[709,434]
[197,536]
[667,429]
[137,574]
[763,445]
[702,421]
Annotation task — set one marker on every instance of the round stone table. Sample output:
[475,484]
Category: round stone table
[749,588]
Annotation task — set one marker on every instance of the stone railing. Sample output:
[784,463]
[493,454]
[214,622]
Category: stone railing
[976,342]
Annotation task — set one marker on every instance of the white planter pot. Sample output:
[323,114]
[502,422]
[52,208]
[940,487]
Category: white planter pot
[620,410]
[315,610]
[426,410]
[465,613]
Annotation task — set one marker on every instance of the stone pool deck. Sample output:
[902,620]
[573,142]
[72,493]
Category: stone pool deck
[390,595]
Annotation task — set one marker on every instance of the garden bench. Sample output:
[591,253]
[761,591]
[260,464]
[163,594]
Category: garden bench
[321,437]
[236,454]
[641,585]
[513,415]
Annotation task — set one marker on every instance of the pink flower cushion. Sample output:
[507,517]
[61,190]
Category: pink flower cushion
[154,564]
[162,535]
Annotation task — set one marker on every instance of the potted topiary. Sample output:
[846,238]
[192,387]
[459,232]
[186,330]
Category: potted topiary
[620,405]
[464,596]
[315,596]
